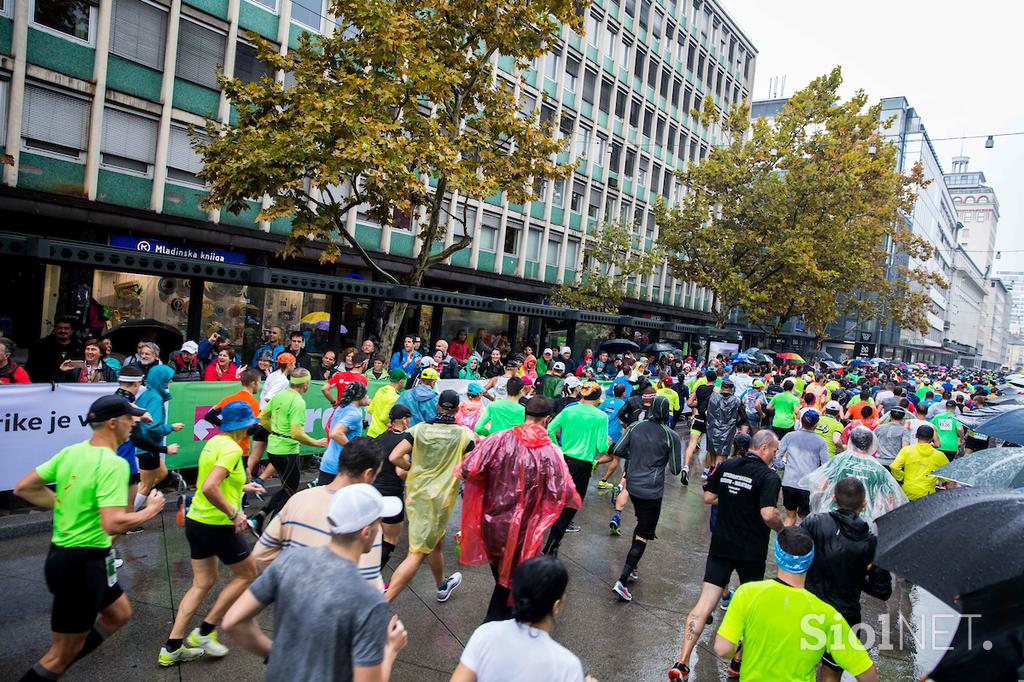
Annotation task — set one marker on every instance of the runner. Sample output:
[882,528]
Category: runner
[421,399]
[784,407]
[754,404]
[582,433]
[702,391]
[89,506]
[949,433]
[437,447]
[647,446]
[255,447]
[772,617]
[214,528]
[892,437]
[746,491]
[284,418]
[152,467]
[302,522]
[383,400]
[389,482]
[277,380]
[611,406]
[346,423]
[503,413]
[915,463]
[517,485]
[129,384]
[723,416]
[800,453]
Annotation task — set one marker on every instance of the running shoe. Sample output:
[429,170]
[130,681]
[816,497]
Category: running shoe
[603,486]
[633,576]
[684,477]
[182,654]
[615,491]
[621,590]
[680,672]
[208,643]
[445,589]
[726,599]
[133,531]
[707,472]
[733,672]
[256,523]
[614,524]
[118,563]
[573,527]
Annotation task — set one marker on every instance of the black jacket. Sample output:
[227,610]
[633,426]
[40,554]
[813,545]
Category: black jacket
[647,446]
[843,548]
[46,356]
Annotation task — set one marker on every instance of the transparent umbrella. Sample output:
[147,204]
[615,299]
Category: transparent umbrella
[992,468]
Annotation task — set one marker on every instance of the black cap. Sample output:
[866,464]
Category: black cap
[399,412]
[111,407]
[448,398]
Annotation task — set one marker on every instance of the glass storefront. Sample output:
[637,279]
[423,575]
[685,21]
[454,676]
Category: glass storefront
[128,296]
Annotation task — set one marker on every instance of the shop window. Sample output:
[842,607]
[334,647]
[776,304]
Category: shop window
[129,296]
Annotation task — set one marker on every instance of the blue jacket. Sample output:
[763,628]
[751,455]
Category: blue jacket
[274,351]
[154,400]
[421,401]
[405,361]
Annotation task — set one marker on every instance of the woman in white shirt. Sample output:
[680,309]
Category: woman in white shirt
[521,649]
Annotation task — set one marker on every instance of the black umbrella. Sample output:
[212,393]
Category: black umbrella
[619,346]
[1004,421]
[660,347]
[955,541]
[126,336]
[819,355]
[989,644]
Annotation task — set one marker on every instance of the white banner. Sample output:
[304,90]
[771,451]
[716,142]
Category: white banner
[38,420]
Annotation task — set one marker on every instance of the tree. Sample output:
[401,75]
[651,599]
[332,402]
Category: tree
[400,110]
[614,263]
[794,215]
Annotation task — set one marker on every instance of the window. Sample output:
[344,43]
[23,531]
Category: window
[969,200]
[686,100]
[551,66]
[269,4]
[572,254]
[489,232]
[641,172]
[982,200]
[527,103]
[660,131]
[634,113]
[554,248]
[589,85]
[183,162]
[593,28]
[648,117]
[309,13]
[547,112]
[572,70]
[652,74]
[620,104]
[700,67]
[968,216]
[558,193]
[666,81]
[659,18]
[600,147]
[138,32]
[576,201]
[582,141]
[615,156]
[129,140]
[638,64]
[645,10]
[594,205]
[200,52]
[670,144]
[627,49]
[610,40]
[460,227]
[248,68]
[630,7]
[630,164]
[513,230]
[606,95]
[55,122]
[74,19]
[981,216]
[5,90]
[533,239]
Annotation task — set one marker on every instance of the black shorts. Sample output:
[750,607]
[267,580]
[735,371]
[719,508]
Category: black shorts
[718,570]
[77,578]
[949,455]
[260,434]
[698,425]
[647,514]
[796,499]
[149,461]
[975,444]
[830,662]
[134,479]
[206,540]
[388,491]
[780,432]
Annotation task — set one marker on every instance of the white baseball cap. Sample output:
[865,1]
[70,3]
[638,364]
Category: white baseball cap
[558,366]
[546,351]
[190,347]
[356,506]
[572,382]
[565,349]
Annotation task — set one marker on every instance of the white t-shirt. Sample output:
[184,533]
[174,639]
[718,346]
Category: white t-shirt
[507,651]
[275,383]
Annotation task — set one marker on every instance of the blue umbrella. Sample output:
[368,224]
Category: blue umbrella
[1005,422]
[743,357]
[859,363]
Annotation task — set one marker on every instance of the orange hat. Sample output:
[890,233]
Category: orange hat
[285,359]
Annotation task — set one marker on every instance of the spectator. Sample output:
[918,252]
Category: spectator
[264,364]
[378,371]
[459,347]
[10,371]
[502,344]
[407,359]
[208,348]
[348,359]
[147,356]
[565,357]
[472,369]
[480,346]
[272,344]
[185,363]
[493,366]
[47,354]
[92,370]
[328,366]
[448,366]
[115,360]
[223,368]
[297,347]
[368,347]
[421,399]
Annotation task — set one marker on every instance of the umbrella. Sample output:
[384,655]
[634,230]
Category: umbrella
[1015,380]
[992,468]
[819,355]
[659,347]
[126,336]
[878,361]
[743,357]
[832,365]
[618,346]
[1005,422]
[859,363]
[790,358]
[988,643]
[313,318]
[954,541]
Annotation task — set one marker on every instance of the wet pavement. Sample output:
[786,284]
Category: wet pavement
[615,641]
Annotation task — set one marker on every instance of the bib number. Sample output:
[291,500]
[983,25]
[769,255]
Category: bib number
[111,570]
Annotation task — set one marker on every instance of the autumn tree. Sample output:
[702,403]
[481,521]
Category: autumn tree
[794,215]
[613,263]
[400,110]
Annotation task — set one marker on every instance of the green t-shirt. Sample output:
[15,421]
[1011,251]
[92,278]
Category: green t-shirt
[219,451]
[800,385]
[785,631]
[946,427]
[286,408]
[88,477]
[584,431]
[784,403]
[502,415]
[826,428]
[832,386]
[922,391]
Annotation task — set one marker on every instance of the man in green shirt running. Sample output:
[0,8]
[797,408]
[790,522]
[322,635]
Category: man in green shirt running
[284,418]
[504,413]
[785,406]
[949,433]
[89,503]
[582,432]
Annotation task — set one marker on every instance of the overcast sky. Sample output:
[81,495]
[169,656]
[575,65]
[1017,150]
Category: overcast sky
[958,63]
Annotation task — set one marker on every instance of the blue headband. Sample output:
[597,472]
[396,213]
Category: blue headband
[792,563]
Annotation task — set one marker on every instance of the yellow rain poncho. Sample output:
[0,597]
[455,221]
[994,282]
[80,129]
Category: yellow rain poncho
[431,487]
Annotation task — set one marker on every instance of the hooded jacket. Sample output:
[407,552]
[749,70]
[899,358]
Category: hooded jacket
[722,417]
[421,401]
[154,400]
[843,548]
[648,445]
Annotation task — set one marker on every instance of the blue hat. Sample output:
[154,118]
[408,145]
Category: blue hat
[474,389]
[236,415]
[811,417]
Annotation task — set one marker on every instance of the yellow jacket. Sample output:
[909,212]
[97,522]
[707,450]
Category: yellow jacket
[380,409]
[913,467]
[672,396]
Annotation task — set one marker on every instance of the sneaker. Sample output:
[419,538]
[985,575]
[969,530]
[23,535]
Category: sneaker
[118,562]
[603,486]
[726,599]
[208,643]
[573,527]
[680,672]
[444,592]
[256,523]
[183,654]
[705,474]
[633,576]
[615,491]
[684,477]
[733,672]
[614,524]
[621,590]
[133,531]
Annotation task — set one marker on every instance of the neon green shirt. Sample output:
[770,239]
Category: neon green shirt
[827,426]
[800,385]
[672,396]
[832,386]
[380,410]
[500,416]
[785,631]
[784,404]
[946,427]
[89,478]
[584,432]
[219,451]
[286,408]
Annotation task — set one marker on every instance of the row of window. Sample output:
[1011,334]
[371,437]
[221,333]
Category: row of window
[970,200]
[966,216]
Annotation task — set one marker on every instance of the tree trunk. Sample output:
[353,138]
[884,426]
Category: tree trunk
[390,333]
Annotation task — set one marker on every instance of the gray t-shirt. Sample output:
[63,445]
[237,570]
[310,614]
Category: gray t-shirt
[800,452]
[327,618]
[892,438]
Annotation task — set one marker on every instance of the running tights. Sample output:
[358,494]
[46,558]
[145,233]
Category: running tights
[636,551]
[288,470]
[498,608]
[580,472]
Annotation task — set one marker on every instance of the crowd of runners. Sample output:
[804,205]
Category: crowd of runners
[513,459]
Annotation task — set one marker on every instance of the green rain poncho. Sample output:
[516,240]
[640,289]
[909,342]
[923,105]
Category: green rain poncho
[431,487]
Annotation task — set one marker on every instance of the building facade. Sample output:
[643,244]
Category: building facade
[967,295]
[995,324]
[95,103]
[1013,280]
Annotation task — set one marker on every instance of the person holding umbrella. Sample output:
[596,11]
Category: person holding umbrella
[914,464]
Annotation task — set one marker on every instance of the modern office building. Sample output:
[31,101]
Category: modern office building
[995,324]
[965,314]
[95,102]
[1014,282]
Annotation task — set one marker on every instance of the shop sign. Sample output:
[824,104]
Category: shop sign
[161,248]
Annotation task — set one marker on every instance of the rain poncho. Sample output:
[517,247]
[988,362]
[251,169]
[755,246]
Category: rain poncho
[421,401]
[517,483]
[721,418]
[469,412]
[883,492]
[431,488]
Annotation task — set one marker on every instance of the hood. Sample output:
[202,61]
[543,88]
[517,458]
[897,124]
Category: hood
[531,435]
[659,411]
[158,378]
[851,525]
[422,393]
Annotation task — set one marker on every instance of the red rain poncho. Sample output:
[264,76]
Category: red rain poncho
[517,484]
